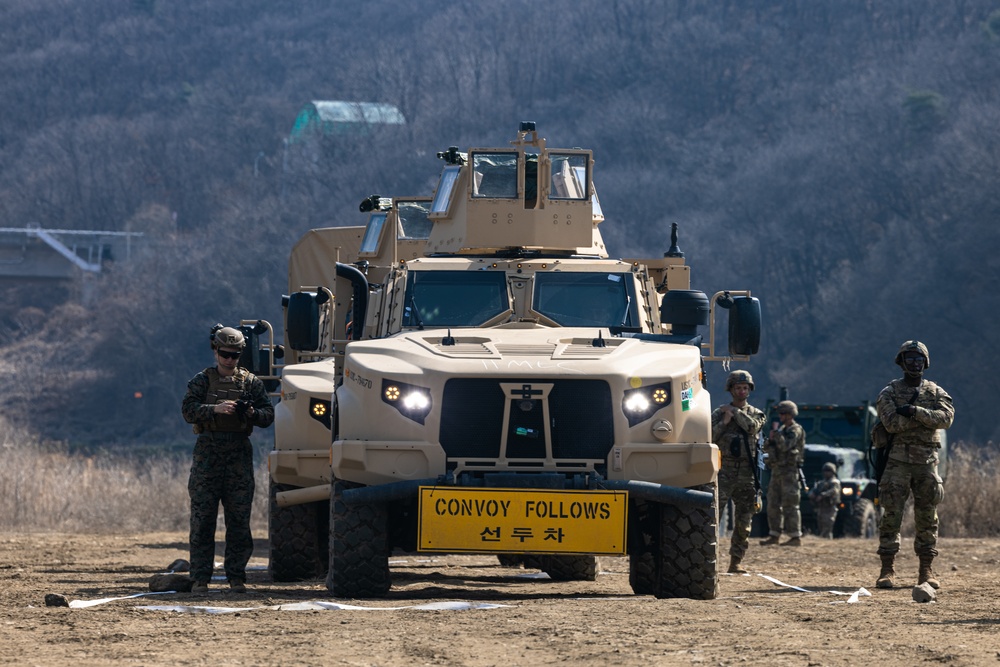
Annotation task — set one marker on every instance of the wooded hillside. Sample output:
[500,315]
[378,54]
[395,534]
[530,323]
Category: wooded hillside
[838,158]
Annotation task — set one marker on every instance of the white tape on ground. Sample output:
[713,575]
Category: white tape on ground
[312,605]
[83,604]
[320,605]
[781,583]
[861,592]
[856,594]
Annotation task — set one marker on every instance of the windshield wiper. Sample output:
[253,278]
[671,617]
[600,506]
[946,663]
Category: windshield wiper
[625,315]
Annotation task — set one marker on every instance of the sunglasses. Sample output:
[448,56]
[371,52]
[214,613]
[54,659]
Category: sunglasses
[229,355]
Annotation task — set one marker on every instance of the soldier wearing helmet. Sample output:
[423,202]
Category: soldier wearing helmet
[785,449]
[913,411]
[825,495]
[736,377]
[735,428]
[223,403]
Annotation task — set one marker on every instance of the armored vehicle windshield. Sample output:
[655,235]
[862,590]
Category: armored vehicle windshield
[586,299]
[559,298]
[454,298]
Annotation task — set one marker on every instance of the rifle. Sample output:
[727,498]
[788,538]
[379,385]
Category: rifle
[802,481]
[752,460]
[879,457]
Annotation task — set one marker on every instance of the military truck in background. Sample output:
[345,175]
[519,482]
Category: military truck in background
[858,512]
[471,373]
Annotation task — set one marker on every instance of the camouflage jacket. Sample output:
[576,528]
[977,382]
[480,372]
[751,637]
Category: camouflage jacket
[825,492]
[747,421]
[916,439]
[198,407]
[786,447]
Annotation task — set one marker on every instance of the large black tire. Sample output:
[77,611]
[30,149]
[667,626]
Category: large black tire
[676,553]
[863,521]
[359,547]
[643,520]
[510,560]
[566,568]
[297,537]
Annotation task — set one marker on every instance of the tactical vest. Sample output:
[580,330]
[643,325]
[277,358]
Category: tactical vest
[733,442]
[233,388]
[783,457]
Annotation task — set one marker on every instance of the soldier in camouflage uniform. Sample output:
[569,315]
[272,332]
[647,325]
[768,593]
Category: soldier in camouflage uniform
[785,449]
[825,494]
[734,429]
[913,410]
[223,403]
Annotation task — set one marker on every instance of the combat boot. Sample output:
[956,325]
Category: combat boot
[794,542]
[886,578]
[926,574]
[773,539]
[237,586]
[734,565]
[199,587]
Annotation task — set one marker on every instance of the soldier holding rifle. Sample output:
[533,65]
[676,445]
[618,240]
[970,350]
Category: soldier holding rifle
[785,449]
[734,429]
[913,411]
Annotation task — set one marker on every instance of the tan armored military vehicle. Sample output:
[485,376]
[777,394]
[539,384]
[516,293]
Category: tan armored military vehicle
[471,373]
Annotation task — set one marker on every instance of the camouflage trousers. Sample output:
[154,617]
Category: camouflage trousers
[221,472]
[898,480]
[826,516]
[783,498]
[736,482]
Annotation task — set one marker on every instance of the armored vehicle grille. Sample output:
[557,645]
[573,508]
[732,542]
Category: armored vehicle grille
[472,419]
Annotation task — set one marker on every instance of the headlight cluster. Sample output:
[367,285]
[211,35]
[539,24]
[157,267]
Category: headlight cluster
[640,404]
[320,410]
[412,401]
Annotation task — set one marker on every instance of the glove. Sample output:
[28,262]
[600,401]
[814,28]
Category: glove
[906,410]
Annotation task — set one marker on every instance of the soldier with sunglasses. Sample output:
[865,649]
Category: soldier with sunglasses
[223,403]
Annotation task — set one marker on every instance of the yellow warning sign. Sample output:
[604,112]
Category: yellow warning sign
[459,520]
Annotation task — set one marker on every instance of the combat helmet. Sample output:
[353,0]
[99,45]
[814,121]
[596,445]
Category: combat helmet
[913,346]
[737,377]
[829,466]
[787,406]
[227,337]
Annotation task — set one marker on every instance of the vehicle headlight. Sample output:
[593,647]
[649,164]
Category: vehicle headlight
[412,401]
[848,491]
[642,403]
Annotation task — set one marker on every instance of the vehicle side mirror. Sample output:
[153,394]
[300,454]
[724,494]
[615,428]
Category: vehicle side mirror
[302,321]
[251,358]
[744,326]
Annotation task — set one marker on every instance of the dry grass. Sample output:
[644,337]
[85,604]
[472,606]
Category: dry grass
[45,488]
[972,492]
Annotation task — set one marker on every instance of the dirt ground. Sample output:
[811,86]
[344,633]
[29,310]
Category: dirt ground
[509,617]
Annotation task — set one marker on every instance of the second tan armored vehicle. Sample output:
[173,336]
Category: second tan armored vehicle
[472,373]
